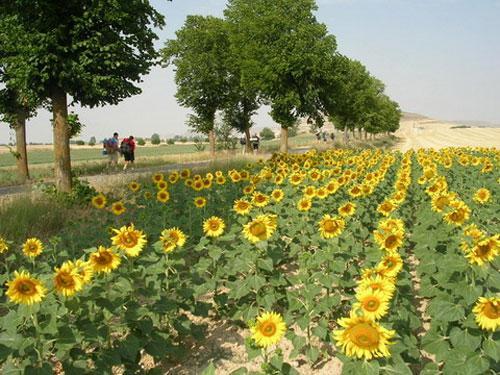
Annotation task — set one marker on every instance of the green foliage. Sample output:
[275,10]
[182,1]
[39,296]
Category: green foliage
[199,54]
[283,53]
[170,141]
[92,141]
[80,142]
[155,139]
[81,193]
[75,125]
[267,134]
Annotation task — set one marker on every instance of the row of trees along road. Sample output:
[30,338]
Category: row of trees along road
[274,53]
[93,52]
[262,52]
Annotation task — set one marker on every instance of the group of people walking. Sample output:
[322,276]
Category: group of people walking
[254,143]
[113,148]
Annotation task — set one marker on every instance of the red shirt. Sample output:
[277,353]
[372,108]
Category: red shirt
[131,143]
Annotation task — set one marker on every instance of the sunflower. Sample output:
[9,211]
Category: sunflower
[441,200]
[172,238]
[259,199]
[482,196]
[321,193]
[134,186]
[459,214]
[249,189]
[3,245]
[304,204]
[390,241]
[487,312]
[484,251]
[85,270]
[474,232]
[347,209]
[309,191]
[362,337]
[235,176]
[374,304]
[157,177]
[386,207]
[220,180]
[391,225]
[277,195]
[162,185]
[260,228]
[163,196]
[377,282]
[268,330]
[355,191]
[67,279]
[242,207]
[330,227]
[200,202]
[104,260]
[213,226]
[24,289]
[33,247]
[118,208]
[173,177]
[129,239]
[99,201]
[391,264]
[197,185]
[147,195]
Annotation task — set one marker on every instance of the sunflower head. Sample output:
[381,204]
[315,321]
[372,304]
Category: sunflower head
[347,209]
[277,195]
[134,186]
[99,201]
[213,226]
[482,196]
[67,279]
[33,247]
[118,208]
[373,304]
[268,330]
[4,246]
[361,337]
[242,207]
[25,289]
[104,260]
[163,196]
[487,311]
[260,228]
[129,239]
[200,202]
[172,238]
[330,227]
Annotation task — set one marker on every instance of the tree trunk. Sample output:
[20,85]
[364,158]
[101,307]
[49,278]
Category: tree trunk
[360,135]
[353,134]
[248,145]
[62,156]
[22,154]
[211,139]
[284,140]
[366,135]
[346,135]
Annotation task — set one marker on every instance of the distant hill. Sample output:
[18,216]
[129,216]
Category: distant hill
[409,116]
[476,124]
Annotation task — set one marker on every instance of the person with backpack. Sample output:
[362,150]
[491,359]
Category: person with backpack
[111,149]
[127,148]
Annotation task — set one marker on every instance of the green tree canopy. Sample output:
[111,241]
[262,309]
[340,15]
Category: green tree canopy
[200,53]
[284,54]
[96,52]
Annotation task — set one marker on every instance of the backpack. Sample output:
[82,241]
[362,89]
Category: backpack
[125,147]
[108,146]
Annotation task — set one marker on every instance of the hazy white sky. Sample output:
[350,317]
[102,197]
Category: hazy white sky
[440,58]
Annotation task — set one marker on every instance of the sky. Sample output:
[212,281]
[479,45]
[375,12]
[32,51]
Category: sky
[439,58]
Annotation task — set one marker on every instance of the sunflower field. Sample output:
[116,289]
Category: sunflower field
[386,261]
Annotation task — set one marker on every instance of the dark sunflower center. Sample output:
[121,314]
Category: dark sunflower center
[371,304]
[330,226]
[364,335]
[258,229]
[268,329]
[491,311]
[65,279]
[391,241]
[26,287]
[214,225]
[104,259]
[129,239]
[483,250]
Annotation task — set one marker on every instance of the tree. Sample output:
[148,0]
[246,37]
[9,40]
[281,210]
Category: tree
[96,52]
[16,106]
[141,141]
[155,139]
[92,141]
[267,134]
[284,54]
[199,54]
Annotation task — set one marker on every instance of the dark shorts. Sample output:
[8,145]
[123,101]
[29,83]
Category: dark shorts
[129,156]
